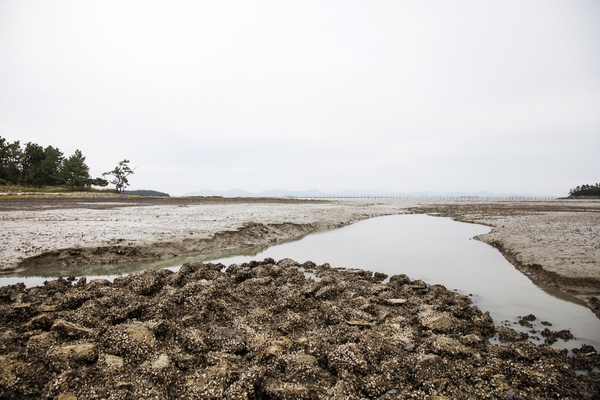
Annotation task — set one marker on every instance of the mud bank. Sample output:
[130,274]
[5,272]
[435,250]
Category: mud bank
[249,236]
[94,231]
[265,330]
[555,243]
[584,288]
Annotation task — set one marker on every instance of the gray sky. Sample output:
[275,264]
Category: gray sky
[397,95]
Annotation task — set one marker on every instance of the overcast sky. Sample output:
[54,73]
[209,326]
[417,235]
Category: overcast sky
[397,95]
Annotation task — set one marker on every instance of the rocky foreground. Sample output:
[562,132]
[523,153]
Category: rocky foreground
[267,330]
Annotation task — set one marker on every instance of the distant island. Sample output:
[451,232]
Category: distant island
[145,193]
[585,191]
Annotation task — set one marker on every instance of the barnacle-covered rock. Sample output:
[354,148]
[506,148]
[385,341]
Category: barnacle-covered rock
[510,335]
[266,329]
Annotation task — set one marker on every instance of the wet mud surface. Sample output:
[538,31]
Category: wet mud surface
[91,201]
[554,243]
[63,231]
[267,330]
[249,236]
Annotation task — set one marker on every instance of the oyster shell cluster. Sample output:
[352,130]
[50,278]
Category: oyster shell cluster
[269,330]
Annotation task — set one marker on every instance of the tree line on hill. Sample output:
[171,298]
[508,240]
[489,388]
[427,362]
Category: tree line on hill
[586,190]
[36,166]
[146,193]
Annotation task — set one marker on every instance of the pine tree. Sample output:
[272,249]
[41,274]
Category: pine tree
[31,162]
[120,173]
[10,162]
[52,165]
[75,172]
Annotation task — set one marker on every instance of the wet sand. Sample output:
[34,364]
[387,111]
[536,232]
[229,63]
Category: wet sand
[555,243]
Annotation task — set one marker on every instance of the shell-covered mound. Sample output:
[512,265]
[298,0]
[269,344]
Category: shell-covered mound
[267,330]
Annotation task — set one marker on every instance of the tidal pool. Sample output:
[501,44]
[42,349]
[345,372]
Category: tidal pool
[434,249]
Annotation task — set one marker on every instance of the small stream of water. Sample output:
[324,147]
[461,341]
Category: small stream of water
[434,249]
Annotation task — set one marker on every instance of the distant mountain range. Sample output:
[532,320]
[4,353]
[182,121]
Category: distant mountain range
[316,193]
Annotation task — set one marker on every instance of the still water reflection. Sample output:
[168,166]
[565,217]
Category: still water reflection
[436,250]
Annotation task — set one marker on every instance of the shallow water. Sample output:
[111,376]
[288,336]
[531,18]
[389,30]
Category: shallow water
[434,249]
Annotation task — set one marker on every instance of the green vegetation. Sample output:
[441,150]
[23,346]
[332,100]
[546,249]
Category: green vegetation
[51,189]
[151,193]
[38,170]
[120,174]
[586,190]
[38,167]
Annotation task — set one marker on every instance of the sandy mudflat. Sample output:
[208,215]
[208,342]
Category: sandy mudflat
[556,243]
[93,231]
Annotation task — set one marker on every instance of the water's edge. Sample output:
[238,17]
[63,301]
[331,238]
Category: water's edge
[372,238]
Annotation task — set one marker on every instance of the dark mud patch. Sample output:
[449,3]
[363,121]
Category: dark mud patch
[471,212]
[249,236]
[99,202]
[262,330]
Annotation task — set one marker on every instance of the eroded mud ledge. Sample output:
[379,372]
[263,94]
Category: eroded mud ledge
[263,330]
[584,288]
[250,235]
[555,244]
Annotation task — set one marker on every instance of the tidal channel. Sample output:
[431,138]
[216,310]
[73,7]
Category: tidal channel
[434,249]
